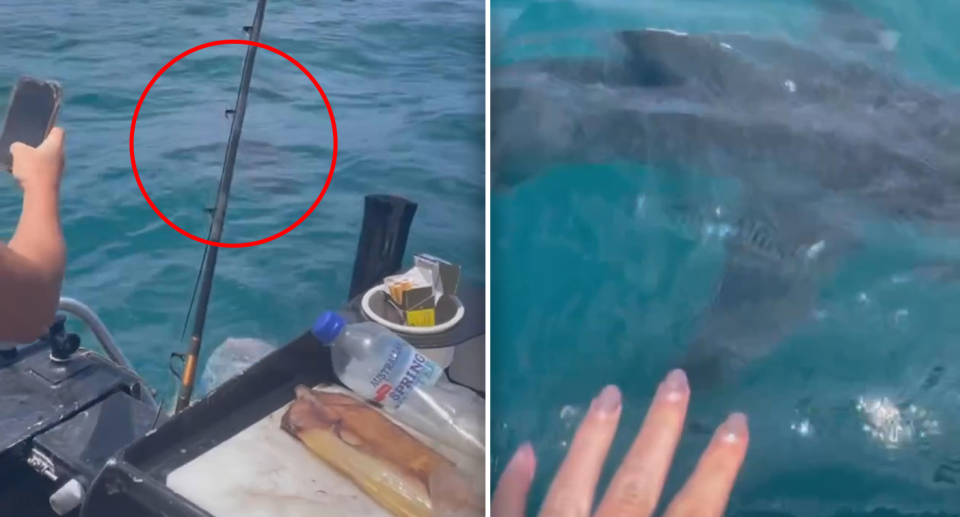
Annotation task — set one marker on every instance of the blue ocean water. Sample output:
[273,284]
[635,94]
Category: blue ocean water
[405,83]
[598,279]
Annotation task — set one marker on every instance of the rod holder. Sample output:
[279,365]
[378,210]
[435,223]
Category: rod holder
[383,240]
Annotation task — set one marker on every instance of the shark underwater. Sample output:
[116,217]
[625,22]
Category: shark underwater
[818,143]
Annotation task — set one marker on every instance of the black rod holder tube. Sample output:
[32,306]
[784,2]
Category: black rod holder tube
[383,240]
[219,215]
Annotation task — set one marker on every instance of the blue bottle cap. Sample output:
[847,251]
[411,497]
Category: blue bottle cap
[328,327]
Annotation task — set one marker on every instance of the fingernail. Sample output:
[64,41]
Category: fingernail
[523,460]
[734,429]
[608,401]
[525,453]
[675,385]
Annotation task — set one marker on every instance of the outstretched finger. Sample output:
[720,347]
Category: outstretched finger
[510,499]
[707,491]
[636,487]
[571,493]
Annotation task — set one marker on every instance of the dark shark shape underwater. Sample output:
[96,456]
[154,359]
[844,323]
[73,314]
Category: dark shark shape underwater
[815,141]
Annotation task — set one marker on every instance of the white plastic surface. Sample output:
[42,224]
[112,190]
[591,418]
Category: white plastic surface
[265,472]
[66,499]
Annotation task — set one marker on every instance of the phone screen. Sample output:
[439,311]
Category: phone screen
[30,116]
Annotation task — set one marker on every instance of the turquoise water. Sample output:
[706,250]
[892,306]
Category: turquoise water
[405,83]
[597,280]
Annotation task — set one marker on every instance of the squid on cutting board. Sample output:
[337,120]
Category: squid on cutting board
[389,464]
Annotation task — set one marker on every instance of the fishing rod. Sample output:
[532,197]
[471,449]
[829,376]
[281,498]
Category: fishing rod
[205,278]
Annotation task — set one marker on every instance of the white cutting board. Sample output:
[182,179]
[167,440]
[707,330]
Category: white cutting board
[264,472]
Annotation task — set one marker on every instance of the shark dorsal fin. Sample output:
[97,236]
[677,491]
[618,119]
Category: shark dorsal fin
[646,57]
[663,58]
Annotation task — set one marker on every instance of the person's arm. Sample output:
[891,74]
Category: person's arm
[32,264]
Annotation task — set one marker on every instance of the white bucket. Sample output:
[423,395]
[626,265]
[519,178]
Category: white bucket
[442,356]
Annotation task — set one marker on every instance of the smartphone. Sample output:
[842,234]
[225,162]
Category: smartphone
[32,113]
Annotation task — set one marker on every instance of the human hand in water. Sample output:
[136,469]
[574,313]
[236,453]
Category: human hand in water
[39,169]
[637,485]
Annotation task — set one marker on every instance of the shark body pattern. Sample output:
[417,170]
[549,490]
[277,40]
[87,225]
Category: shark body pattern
[816,143]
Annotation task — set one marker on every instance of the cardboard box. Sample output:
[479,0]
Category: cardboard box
[425,295]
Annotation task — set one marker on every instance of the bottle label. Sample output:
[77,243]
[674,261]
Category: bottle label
[405,370]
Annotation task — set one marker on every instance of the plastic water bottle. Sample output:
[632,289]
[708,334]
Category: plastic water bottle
[381,367]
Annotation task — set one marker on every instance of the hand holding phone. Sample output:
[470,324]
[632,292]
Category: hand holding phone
[32,113]
[39,169]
